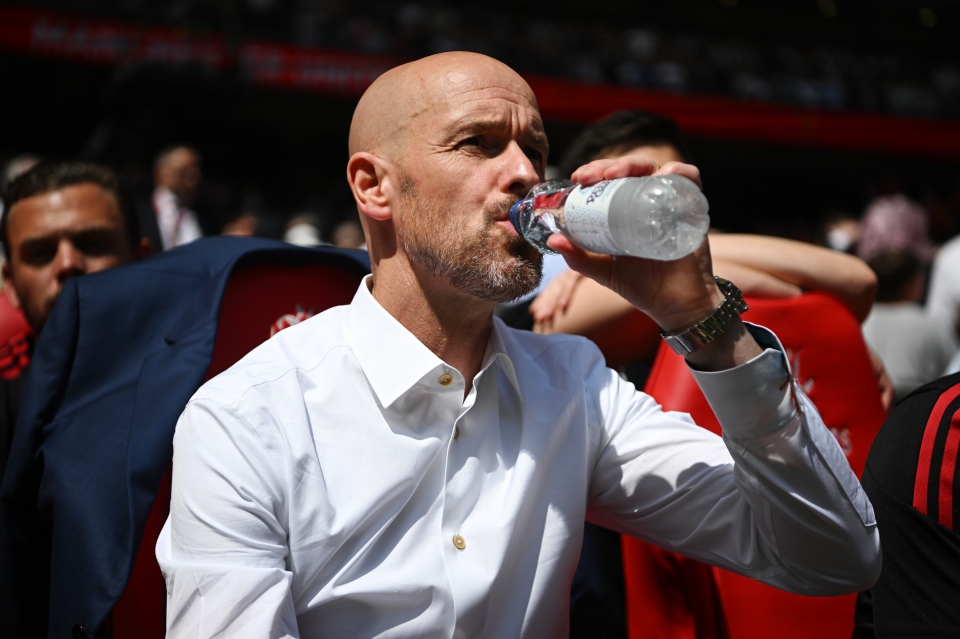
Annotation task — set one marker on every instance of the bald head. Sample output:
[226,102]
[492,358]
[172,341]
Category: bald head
[400,103]
[439,150]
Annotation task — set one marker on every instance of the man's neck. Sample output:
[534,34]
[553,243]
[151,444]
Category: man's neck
[454,326]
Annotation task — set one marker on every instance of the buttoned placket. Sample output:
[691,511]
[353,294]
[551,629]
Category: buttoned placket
[452,381]
[469,448]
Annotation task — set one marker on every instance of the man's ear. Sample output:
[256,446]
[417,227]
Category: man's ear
[8,287]
[368,179]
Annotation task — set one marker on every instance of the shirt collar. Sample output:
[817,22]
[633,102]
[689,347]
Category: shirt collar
[392,359]
[164,195]
[499,337]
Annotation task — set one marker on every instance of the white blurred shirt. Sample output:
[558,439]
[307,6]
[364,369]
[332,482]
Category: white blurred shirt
[943,298]
[178,224]
[915,346]
[336,483]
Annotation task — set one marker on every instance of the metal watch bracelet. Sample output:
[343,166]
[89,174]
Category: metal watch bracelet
[712,327]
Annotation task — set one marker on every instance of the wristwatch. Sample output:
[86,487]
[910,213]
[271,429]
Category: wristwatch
[702,333]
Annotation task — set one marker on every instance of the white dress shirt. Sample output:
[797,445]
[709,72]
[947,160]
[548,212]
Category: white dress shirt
[336,483]
[178,224]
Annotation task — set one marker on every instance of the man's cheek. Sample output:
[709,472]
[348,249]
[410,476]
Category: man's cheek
[50,301]
[102,264]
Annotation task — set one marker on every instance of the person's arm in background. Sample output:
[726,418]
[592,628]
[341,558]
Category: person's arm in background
[806,266]
[761,266]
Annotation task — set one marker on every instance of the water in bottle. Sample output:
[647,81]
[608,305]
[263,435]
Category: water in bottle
[662,217]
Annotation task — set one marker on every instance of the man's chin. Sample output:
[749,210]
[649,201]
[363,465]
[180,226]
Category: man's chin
[527,252]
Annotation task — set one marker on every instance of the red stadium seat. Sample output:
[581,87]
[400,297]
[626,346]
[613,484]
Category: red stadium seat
[258,301]
[15,335]
[672,596]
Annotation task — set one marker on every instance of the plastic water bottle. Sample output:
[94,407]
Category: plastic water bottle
[662,217]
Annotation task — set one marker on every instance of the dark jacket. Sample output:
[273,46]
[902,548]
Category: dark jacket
[911,480]
[122,352]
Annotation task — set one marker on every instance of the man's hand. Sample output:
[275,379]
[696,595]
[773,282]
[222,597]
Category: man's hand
[555,297]
[676,294]
[884,383]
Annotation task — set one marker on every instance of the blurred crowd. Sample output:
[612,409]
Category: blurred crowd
[816,75]
[165,206]
[66,218]
[913,326]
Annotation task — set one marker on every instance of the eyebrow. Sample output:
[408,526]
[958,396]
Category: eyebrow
[537,136]
[40,240]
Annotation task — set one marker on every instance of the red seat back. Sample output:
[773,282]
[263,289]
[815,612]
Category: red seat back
[258,301]
[669,597]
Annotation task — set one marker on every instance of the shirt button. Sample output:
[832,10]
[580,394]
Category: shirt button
[445,379]
[456,432]
[459,542]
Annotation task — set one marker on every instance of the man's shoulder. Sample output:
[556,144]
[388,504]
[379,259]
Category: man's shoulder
[950,249]
[895,455]
[303,347]
[947,259]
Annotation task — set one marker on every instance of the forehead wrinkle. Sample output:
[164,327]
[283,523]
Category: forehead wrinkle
[406,102]
[491,115]
[524,99]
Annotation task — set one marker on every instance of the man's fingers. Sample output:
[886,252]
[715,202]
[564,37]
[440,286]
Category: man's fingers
[627,166]
[632,166]
[884,384]
[688,171]
[591,173]
[566,282]
[592,265]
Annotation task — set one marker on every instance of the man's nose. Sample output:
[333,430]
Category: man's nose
[69,262]
[523,174]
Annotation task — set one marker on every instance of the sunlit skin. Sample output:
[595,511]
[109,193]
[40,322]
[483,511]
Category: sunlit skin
[660,153]
[467,131]
[179,171]
[54,236]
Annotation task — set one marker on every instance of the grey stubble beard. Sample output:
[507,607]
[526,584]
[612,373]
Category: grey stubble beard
[476,264]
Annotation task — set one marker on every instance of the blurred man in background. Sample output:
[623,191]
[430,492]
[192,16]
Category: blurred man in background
[167,220]
[14,169]
[895,241]
[943,300]
[914,346]
[62,219]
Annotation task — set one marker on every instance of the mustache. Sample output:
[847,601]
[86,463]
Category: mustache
[500,210]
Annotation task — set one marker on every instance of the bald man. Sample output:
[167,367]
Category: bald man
[406,466]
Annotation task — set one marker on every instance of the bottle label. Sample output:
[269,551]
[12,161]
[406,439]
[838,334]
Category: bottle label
[586,217]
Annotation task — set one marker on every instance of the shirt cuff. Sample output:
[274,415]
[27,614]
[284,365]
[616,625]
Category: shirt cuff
[755,398]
